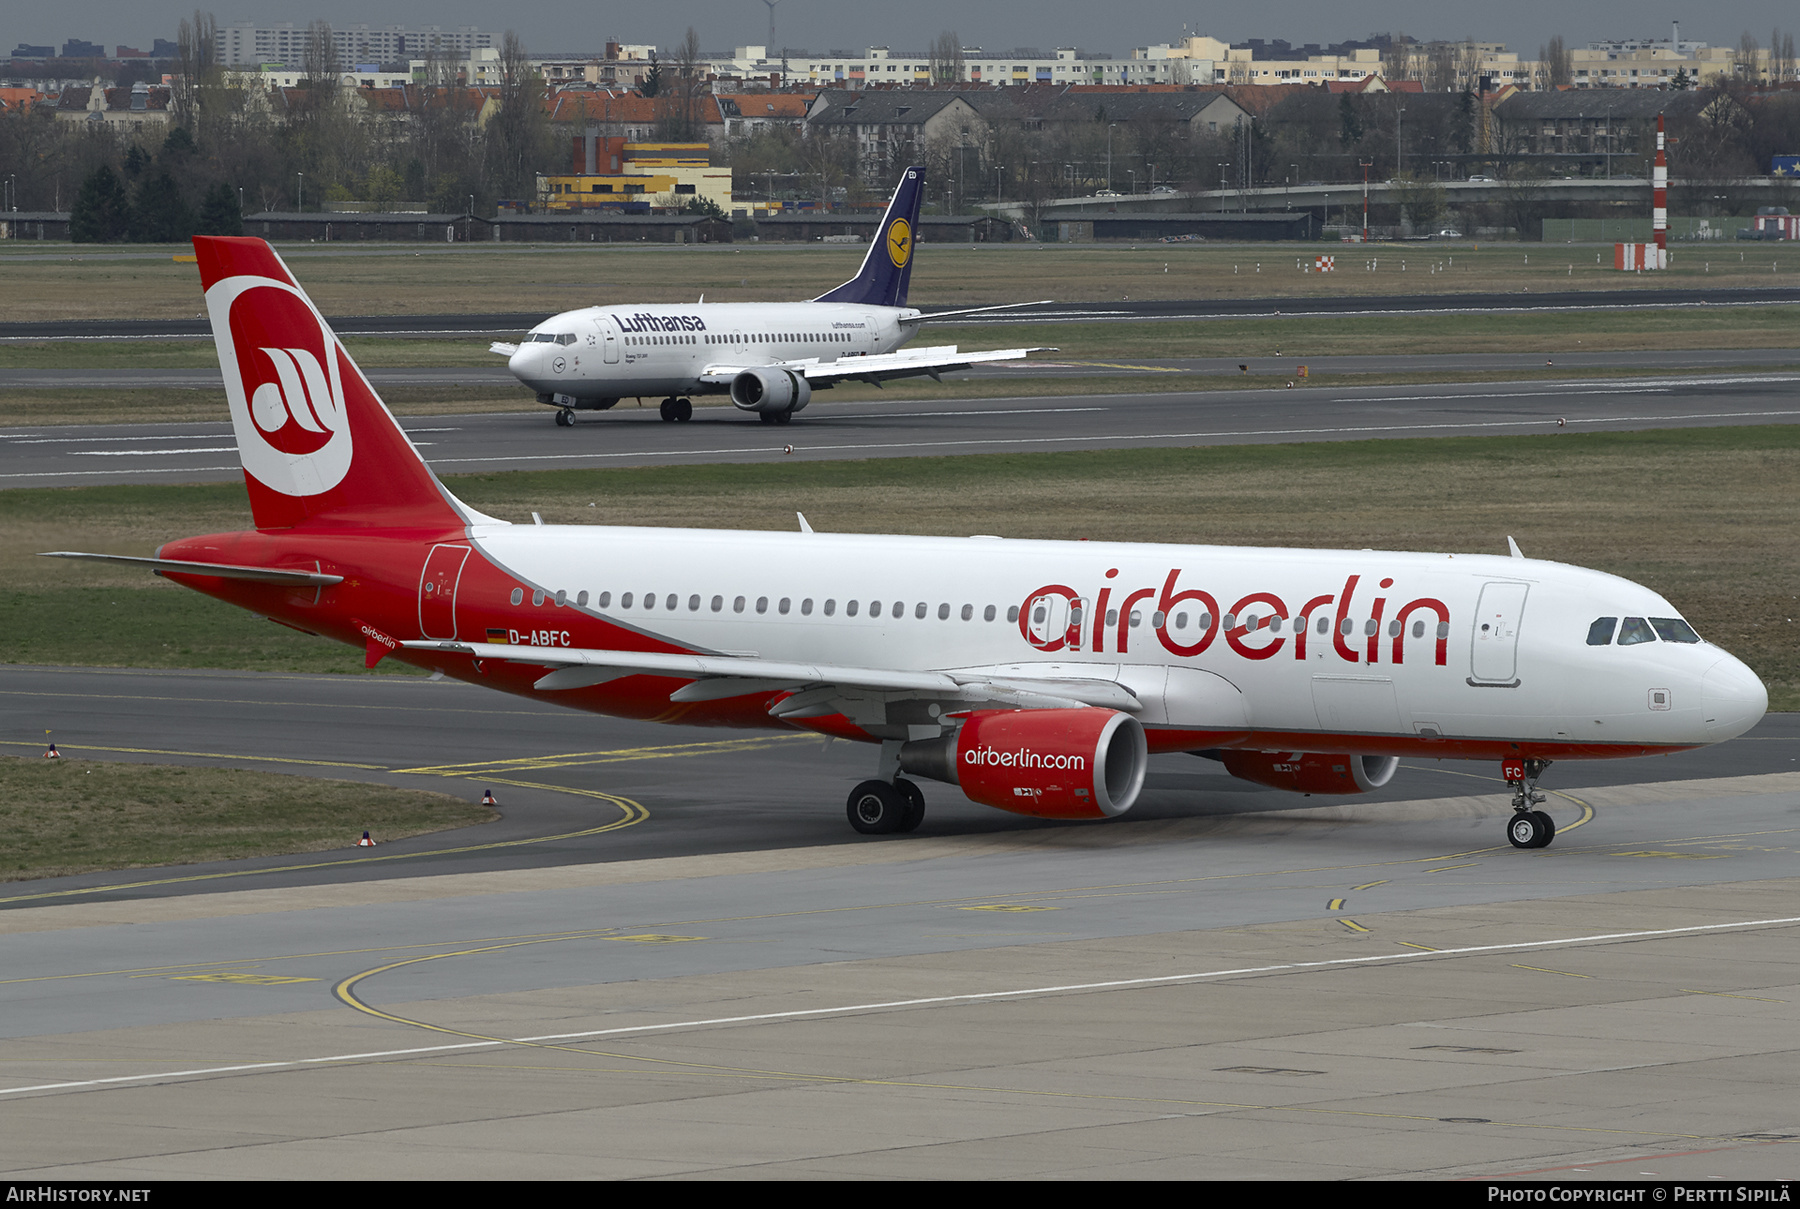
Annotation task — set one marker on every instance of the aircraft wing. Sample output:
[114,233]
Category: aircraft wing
[876,367]
[817,689]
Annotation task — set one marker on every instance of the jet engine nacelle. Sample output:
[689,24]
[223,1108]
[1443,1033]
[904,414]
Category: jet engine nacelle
[1310,772]
[770,388]
[1051,763]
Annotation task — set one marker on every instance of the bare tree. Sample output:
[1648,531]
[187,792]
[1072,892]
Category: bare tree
[1745,62]
[1397,59]
[945,59]
[1557,63]
[196,66]
[518,133]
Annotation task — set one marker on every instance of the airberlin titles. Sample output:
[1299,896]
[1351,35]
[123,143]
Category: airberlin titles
[1262,615]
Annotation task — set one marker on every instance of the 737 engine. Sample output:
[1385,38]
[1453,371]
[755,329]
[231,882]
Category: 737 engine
[770,389]
[1051,763]
[1310,772]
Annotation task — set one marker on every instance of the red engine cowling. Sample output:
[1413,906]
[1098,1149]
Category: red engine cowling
[1310,772]
[1051,763]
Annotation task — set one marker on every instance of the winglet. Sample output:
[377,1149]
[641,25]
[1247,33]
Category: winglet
[1513,546]
[804,527]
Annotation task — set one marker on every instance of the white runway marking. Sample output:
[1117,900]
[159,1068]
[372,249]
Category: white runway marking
[932,1001]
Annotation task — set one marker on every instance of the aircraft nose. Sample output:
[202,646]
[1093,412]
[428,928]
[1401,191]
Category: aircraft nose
[1732,699]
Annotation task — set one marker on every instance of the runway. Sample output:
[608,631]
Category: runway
[1121,310]
[1227,987]
[630,436]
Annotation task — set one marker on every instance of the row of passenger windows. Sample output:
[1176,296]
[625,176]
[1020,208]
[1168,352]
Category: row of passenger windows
[759,338]
[672,603]
[1254,621]
[1640,629]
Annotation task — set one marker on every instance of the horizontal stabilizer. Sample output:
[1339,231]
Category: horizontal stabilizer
[270,575]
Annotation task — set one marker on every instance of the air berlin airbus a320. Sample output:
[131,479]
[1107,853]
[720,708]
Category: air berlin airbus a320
[1035,676]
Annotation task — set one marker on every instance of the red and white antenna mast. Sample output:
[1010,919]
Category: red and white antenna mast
[1659,200]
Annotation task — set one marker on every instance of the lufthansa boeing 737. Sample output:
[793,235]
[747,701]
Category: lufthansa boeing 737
[1035,676]
[768,356]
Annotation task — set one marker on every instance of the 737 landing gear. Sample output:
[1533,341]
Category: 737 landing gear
[676,409]
[565,418]
[775,417]
[885,807]
[1528,828]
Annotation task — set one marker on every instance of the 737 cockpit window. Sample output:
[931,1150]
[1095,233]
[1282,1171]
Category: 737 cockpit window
[1601,632]
[1634,631]
[1674,629]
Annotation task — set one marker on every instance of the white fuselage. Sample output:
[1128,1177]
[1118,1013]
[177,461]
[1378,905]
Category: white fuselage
[1400,652]
[601,354]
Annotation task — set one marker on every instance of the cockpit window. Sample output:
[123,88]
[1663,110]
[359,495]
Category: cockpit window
[543,338]
[1601,632]
[1673,629]
[1634,631]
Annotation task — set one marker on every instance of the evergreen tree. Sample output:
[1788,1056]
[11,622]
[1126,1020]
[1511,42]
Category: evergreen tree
[219,212]
[102,211]
[161,215]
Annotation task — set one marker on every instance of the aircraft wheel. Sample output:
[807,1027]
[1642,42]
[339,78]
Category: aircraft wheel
[1528,829]
[666,409]
[766,417]
[876,808]
[782,417]
[915,805]
[1549,828]
[565,418]
[684,410]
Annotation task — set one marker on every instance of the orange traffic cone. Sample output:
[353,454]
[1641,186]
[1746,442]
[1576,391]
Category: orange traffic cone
[487,798]
[51,753]
[365,842]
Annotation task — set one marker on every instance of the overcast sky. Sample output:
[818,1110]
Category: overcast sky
[558,26]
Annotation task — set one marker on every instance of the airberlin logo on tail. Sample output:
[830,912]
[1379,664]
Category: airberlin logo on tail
[284,381]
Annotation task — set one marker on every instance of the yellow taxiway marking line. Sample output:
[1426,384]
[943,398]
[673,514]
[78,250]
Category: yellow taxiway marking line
[1014,908]
[1368,885]
[632,811]
[1421,948]
[1353,925]
[202,755]
[1152,369]
[1542,970]
[482,768]
[1336,904]
[1447,868]
[1676,856]
[345,992]
[1728,995]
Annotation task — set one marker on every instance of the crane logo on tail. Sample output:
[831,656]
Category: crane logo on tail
[284,382]
[899,242]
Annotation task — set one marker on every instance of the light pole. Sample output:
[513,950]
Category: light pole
[1110,127]
[300,194]
[1399,156]
[1221,188]
[998,169]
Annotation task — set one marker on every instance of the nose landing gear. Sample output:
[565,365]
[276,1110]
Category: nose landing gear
[1528,828]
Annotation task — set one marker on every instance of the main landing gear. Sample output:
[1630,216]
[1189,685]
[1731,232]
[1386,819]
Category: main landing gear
[885,807]
[775,417]
[1528,828]
[673,409]
[565,418]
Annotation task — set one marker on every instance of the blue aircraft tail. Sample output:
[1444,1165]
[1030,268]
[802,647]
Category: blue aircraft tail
[887,268]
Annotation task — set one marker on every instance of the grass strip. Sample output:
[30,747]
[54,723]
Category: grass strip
[77,816]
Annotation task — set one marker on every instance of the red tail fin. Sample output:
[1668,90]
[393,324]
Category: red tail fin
[317,443]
